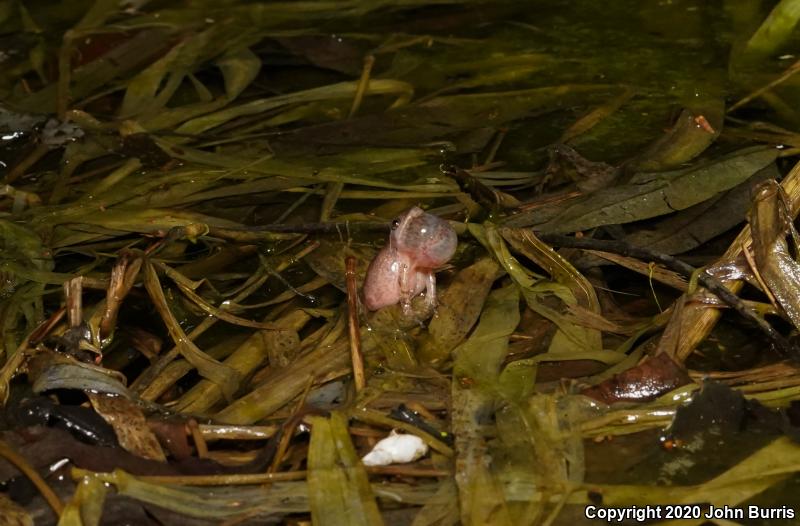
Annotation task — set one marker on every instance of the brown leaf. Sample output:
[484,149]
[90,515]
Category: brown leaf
[648,380]
[129,424]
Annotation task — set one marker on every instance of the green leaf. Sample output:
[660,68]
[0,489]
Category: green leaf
[774,32]
[239,68]
[538,292]
[226,378]
[342,90]
[338,488]
[697,224]
[652,195]
[474,389]
[459,307]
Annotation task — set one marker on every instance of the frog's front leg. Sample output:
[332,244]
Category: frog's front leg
[430,290]
[412,282]
[405,276]
[407,279]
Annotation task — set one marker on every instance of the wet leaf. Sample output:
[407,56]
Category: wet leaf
[771,223]
[441,509]
[761,470]
[445,117]
[282,385]
[129,425]
[475,372]
[653,195]
[554,264]
[83,377]
[226,378]
[308,171]
[216,503]
[596,116]
[697,224]
[151,89]
[692,133]
[86,506]
[459,307]
[541,295]
[338,487]
[239,68]
[246,358]
[344,90]
[648,380]
[652,271]
[94,224]
[773,32]
[124,58]
[695,321]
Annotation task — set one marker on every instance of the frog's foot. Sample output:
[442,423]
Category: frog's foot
[417,309]
[407,308]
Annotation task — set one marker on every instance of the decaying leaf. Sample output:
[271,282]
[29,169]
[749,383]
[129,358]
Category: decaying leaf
[650,379]
[129,425]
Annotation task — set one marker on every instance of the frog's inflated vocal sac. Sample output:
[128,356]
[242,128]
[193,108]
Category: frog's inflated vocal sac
[419,243]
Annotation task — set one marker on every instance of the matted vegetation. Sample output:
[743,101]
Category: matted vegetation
[193,193]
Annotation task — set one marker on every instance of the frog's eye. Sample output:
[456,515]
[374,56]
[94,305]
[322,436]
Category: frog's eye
[395,224]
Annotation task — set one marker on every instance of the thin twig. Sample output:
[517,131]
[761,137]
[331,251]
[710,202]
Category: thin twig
[708,281]
[363,84]
[783,77]
[355,338]
[287,430]
[496,142]
[32,158]
[198,438]
[754,269]
[123,277]
[73,292]
[44,328]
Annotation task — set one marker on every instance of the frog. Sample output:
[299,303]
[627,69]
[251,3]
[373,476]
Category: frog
[405,267]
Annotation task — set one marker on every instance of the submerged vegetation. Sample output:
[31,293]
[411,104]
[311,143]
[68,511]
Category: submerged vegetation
[193,192]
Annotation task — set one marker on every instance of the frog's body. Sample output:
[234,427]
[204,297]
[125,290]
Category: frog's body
[404,268]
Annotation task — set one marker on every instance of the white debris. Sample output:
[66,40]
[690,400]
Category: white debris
[397,448]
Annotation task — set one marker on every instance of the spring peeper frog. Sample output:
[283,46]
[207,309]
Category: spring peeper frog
[404,268]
